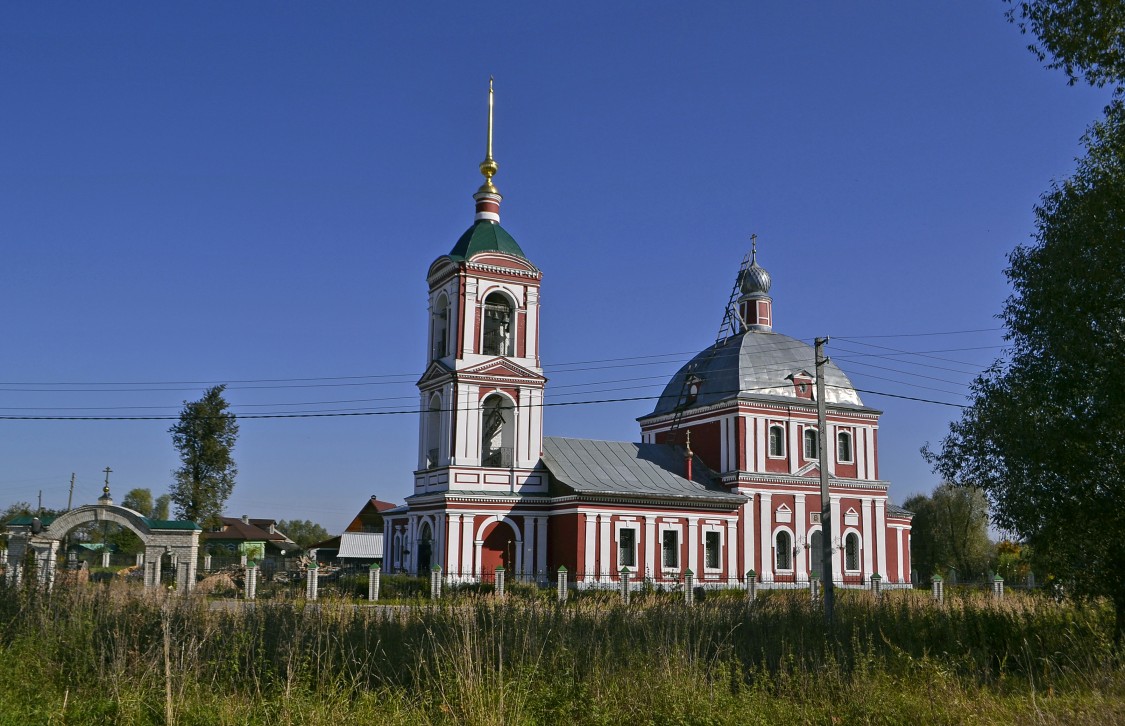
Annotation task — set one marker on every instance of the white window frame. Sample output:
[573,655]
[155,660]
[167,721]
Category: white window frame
[788,552]
[678,529]
[708,530]
[769,440]
[858,551]
[631,525]
[805,442]
[842,434]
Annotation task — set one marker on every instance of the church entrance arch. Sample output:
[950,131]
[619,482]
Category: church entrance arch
[500,547]
[179,539]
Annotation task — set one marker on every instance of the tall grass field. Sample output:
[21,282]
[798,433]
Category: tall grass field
[113,655]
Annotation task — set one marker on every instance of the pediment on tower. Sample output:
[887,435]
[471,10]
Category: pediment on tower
[501,368]
[436,371]
[499,262]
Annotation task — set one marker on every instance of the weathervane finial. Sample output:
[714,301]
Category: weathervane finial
[753,247]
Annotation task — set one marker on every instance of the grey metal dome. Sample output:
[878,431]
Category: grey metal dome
[755,364]
[755,280]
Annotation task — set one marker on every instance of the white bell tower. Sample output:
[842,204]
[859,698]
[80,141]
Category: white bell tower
[482,393]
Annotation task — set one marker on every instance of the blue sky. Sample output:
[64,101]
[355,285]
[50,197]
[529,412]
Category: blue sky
[251,193]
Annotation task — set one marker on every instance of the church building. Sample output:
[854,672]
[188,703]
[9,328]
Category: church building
[725,478]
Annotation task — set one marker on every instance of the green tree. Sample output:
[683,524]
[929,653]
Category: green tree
[950,530]
[1085,38]
[161,507]
[204,436]
[302,531]
[139,500]
[1044,436]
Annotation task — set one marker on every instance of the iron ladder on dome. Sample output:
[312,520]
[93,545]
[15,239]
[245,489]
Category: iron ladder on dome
[730,327]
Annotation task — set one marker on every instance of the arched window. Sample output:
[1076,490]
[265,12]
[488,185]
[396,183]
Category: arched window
[440,323]
[498,337]
[851,552]
[784,551]
[811,444]
[777,440]
[844,447]
[433,432]
[497,431]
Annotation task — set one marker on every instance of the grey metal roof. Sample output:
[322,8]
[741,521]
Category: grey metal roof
[755,364]
[587,466]
[361,545]
[893,510]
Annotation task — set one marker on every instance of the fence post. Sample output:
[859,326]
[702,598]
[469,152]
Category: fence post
[500,582]
[105,558]
[625,585]
[140,560]
[877,586]
[562,584]
[751,585]
[689,587]
[373,582]
[998,588]
[938,588]
[251,580]
[814,589]
[206,563]
[311,582]
[435,582]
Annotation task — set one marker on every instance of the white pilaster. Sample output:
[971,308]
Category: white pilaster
[881,535]
[898,541]
[765,513]
[541,544]
[588,564]
[795,445]
[468,522]
[868,540]
[693,546]
[800,524]
[747,538]
[650,546]
[603,549]
[860,446]
[760,430]
[837,536]
[469,314]
[454,545]
[528,545]
[730,545]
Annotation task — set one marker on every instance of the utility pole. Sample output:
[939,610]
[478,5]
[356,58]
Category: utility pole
[825,501]
[40,501]
[70,497]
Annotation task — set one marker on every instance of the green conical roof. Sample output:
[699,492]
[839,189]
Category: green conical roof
[485,236]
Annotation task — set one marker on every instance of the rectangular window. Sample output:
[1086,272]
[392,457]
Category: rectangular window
[671,549]
[711,550]
[627,548]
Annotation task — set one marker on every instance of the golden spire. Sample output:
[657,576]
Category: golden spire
[489,167]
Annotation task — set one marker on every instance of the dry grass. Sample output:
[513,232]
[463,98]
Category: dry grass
[97,655]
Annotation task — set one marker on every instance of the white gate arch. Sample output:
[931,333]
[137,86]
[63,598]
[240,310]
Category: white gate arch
[160,537]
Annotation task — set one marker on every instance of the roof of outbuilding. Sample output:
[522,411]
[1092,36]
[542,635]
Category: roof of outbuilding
[587,466]
[485,236]
[755,364]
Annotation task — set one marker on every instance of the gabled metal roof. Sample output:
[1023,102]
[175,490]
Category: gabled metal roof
[587,466]
[361,546]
